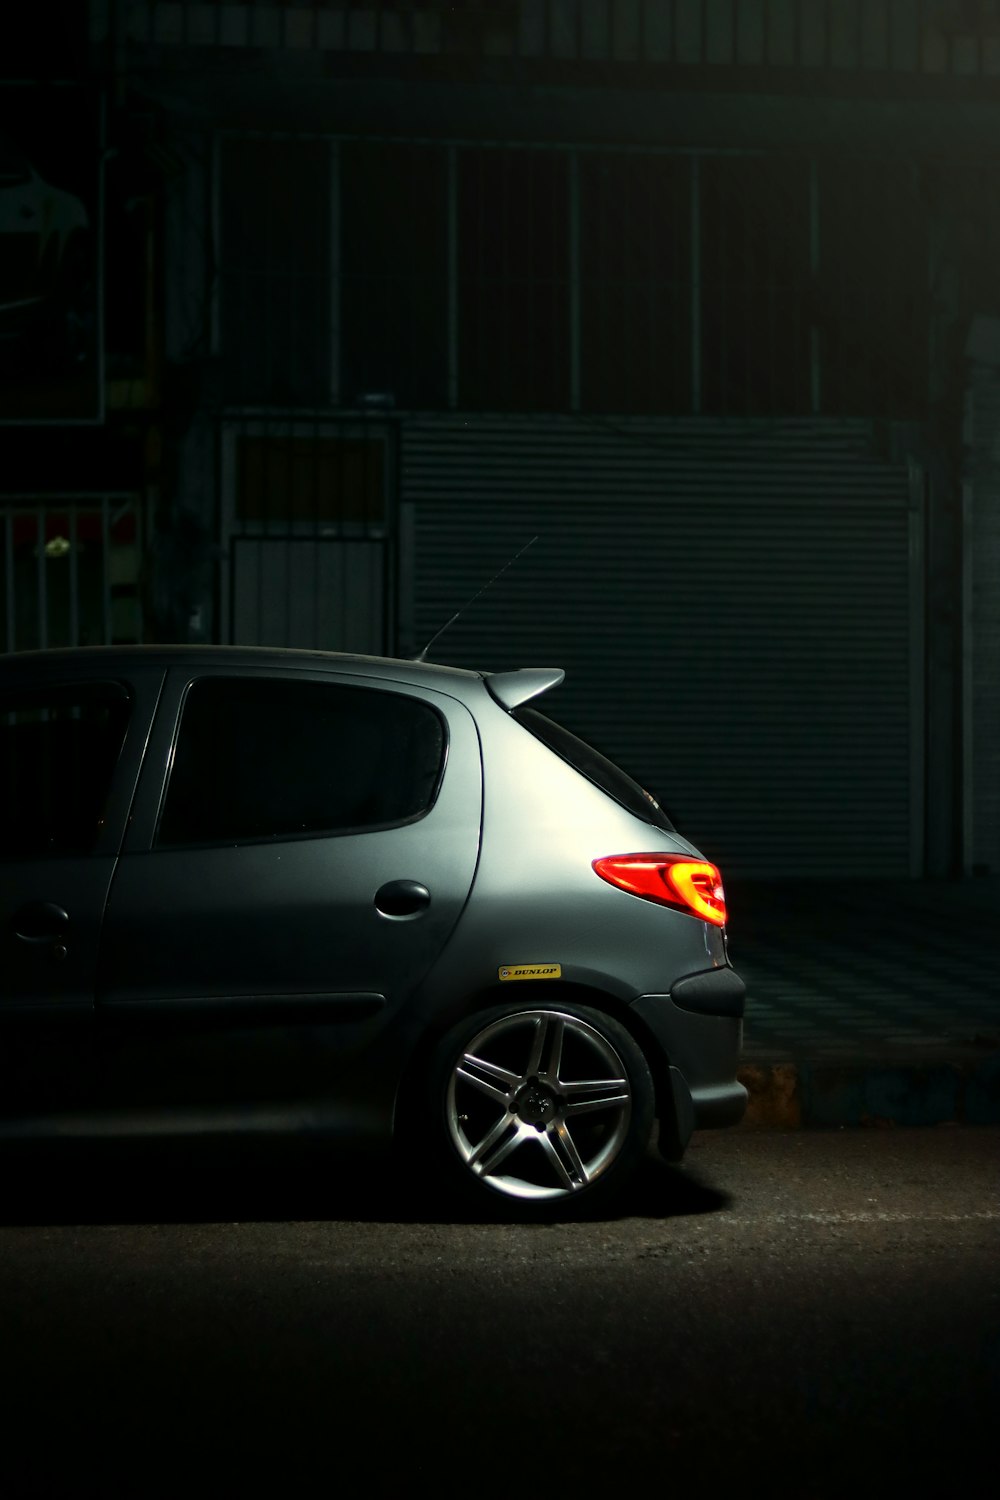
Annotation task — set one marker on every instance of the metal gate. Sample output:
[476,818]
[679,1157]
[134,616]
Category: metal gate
[307,529]
[70,570]
[323,595]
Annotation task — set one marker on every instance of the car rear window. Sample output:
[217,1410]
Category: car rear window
[595,766]
[270,758]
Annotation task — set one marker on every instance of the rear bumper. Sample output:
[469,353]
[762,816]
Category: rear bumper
[716,992]
[698,1057]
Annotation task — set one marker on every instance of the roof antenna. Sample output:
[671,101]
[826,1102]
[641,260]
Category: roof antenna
[465,606]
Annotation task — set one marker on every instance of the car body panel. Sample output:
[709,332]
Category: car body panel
[537,898]
[289,943]
[256,987]
[48,991]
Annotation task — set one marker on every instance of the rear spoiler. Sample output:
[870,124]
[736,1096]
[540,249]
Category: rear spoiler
[511,689]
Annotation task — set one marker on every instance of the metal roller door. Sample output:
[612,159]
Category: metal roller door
[733,605]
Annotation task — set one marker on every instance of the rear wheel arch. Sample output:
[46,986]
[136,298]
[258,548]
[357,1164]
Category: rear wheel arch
[570,992]
[581,1034]
[555,992]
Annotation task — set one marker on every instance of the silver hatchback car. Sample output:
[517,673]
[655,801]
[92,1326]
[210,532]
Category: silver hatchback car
[246,890]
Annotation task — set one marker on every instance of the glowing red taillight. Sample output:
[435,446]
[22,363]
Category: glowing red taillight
[692,885]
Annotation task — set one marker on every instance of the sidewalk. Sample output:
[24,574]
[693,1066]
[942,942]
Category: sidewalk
[869,1003]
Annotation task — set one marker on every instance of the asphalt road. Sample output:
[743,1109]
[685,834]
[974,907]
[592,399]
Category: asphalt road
[807,1314]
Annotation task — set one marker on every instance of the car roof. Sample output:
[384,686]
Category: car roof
[106,658]
[510,689]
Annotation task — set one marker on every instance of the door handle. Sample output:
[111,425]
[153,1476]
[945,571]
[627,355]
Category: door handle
[40,922]
[402,898]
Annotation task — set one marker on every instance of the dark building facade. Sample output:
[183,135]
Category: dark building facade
[695,297]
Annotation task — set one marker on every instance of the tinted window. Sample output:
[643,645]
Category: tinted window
[58,751]
[596,767]
[263,758]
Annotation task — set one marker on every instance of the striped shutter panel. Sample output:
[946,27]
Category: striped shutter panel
[730,601]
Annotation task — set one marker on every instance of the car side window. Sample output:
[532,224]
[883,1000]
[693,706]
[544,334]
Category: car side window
[271,758]
[58,751]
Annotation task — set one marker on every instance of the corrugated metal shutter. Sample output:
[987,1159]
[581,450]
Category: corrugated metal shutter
[730,603]
[984,543]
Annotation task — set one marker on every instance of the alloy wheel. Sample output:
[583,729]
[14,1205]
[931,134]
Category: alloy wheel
[539,1104]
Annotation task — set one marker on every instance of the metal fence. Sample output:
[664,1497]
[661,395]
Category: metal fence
[70,570]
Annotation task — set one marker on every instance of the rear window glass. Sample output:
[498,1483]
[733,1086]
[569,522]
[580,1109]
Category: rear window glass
[267,758]
[595,766]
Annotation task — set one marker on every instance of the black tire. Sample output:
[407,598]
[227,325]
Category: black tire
[541,1110]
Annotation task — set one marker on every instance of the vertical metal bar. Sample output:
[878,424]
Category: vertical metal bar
[43,602]
[74,580]
[917,520]
[651,201]
[966,749]
[452,191]
[815,372]
[797,30]
[406,532]
[227,528]
[574,281]
[8,562]
[389,544]
[481,287]
[105,572]
[335,276]
[215,289]
[695,212]
[383,572]
[139,539]
[101,382]
[506,276]
[317,453]
[921,27]
[930,275]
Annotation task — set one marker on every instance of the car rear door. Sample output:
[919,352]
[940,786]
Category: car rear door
[303,845]
[70,749]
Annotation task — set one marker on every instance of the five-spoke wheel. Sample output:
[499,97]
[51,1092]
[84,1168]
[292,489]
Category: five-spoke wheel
[546,1103]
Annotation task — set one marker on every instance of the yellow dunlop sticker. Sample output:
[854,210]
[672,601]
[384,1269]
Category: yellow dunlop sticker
[530,971]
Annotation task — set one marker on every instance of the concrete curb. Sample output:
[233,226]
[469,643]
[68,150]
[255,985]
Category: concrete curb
[801,1095]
